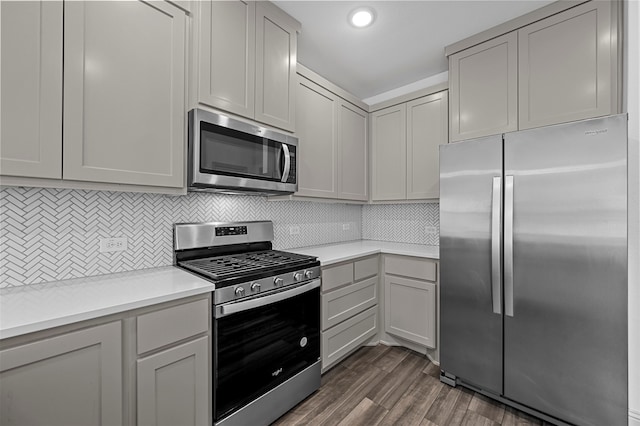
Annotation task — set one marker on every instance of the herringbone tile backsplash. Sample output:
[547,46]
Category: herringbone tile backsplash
[406,223]
[53,234]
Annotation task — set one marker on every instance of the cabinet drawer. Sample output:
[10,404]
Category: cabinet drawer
[160,328]
[348,301]
[365,268]
[348,336]
[421,269]
[337,276]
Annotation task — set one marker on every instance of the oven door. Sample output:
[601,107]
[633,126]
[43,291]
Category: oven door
[259,343]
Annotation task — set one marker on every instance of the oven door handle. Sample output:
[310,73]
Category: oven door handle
[234,308]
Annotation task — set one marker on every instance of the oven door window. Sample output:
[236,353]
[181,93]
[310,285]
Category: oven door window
[229,152]
[256,350]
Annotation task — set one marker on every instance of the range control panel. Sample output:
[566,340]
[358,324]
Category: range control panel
[231,230]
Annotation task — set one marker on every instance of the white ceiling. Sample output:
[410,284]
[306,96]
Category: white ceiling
[405,44]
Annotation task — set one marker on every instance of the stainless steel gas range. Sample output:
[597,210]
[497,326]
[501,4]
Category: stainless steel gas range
[266,318]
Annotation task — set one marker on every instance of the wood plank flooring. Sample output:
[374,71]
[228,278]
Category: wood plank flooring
[382,385]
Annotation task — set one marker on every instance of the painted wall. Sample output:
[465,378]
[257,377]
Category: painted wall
[632,101]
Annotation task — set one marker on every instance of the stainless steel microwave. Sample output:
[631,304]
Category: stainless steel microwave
[228,155]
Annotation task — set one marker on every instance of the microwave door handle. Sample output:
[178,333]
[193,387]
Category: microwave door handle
[287,162]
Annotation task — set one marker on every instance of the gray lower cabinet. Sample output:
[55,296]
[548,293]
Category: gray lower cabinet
[173,385]
[173,365]
[150,366]
[69,379]
[349,307]
[410,299]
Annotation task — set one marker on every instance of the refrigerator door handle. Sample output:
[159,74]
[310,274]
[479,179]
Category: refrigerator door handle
[508,246]
[496,231]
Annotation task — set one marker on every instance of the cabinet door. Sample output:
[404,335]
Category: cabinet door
[427,129]
[276,45]
[31,87]
[227,55]
[389,157]
[352,149]
[410,310]
[173,385]
[317,139]
[483,87]
[124,89]
[567,66]
[71,379]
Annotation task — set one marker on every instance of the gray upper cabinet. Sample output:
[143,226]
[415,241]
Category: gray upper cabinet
[227,56]
[405,142]
[483,81]
[246,60]
[31,87]
[70,379]
[317,139]
[567,67]
[124,90]
[555,65]
[352,155]
[427,129]
[332,143]
[388,156]
[276,59]
[104,107]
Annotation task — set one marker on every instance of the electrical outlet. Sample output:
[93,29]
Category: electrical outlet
[294,230]
[345,226]
[432,230]
[113,244]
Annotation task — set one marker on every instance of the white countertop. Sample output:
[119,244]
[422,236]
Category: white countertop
[30,308]
[334,253]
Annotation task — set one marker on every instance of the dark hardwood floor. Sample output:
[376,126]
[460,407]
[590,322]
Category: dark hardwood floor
[383,385]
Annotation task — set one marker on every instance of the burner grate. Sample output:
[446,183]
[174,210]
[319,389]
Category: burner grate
[222,267]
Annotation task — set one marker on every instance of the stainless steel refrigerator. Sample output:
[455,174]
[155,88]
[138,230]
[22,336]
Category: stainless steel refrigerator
[533,255]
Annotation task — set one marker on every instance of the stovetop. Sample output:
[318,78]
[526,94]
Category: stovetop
[247,265]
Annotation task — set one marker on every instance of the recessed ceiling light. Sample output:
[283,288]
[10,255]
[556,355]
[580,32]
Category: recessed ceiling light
[362,17]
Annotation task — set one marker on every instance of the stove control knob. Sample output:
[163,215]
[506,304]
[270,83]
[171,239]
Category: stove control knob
[297,276]
[239,291]
[277,281]
[308,274]
[255,287]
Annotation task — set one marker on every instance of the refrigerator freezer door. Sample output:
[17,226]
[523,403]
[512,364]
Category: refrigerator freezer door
[566,337]
[471,323]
